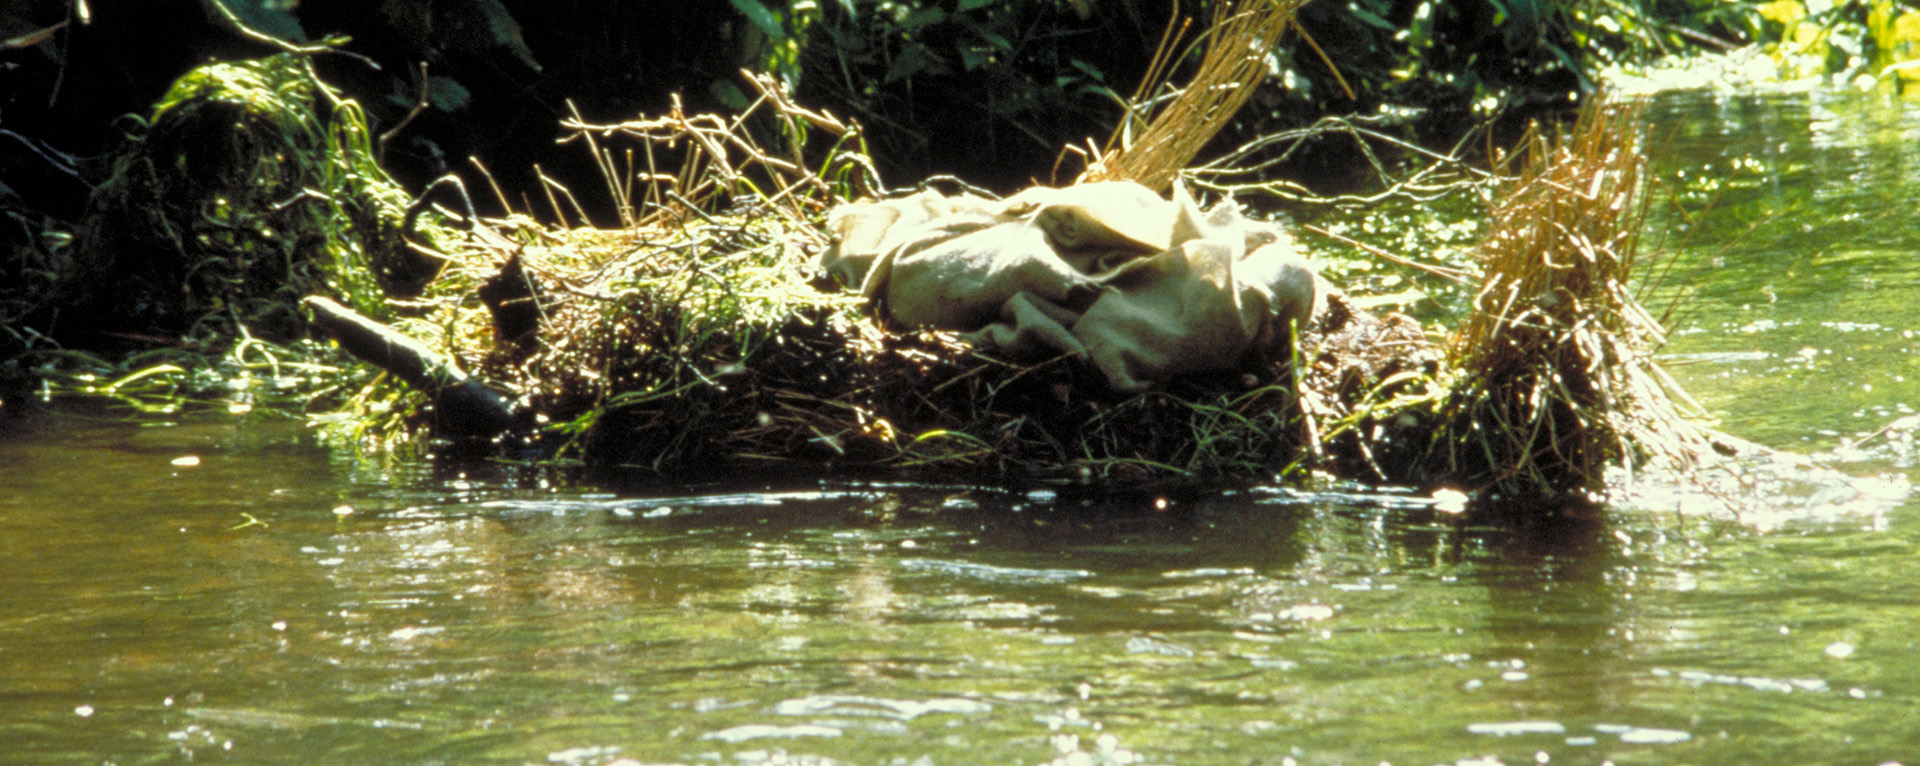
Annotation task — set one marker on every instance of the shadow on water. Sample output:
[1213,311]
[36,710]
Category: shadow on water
[268,601]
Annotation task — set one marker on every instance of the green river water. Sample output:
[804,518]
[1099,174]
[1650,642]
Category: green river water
[277,603]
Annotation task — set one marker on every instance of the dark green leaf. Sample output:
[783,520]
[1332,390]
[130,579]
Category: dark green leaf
[996,40]
[921,17]
[1368,16]
[973,58]
[761,17]
[909,63]
[264,17]
[506,31]
[729,95]
[447,94]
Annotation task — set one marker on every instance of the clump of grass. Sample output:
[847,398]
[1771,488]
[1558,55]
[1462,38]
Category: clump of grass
[1162,133]
[1554,381]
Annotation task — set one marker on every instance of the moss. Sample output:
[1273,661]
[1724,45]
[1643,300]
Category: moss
[250,185]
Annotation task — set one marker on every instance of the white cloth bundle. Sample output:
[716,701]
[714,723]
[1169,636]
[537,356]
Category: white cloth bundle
[1145,288]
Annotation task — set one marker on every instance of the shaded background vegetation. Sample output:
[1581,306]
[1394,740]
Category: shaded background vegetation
[987,89]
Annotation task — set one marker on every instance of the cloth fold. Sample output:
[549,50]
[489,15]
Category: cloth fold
[1146,289]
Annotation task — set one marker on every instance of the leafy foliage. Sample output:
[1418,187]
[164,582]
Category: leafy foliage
[993,89]
[1850,39]
[942,84]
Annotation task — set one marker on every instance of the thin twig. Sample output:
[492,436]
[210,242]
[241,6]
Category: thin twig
[419,105]
[1449,273]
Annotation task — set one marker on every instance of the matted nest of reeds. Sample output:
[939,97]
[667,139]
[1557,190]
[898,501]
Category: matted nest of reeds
[730,357]
[691,338]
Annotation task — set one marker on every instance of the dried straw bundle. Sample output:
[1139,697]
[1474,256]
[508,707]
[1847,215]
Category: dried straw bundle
[717,160]
[1239,42]
[1556,377]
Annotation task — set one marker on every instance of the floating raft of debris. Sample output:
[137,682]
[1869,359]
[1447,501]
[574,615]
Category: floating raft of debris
[696,341]
[703,333]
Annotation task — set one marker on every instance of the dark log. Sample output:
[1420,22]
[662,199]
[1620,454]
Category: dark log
[462,405]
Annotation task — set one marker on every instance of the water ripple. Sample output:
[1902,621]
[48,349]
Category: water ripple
[740,734]
[905,710]
[998,574]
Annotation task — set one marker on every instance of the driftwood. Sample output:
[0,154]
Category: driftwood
[462,405]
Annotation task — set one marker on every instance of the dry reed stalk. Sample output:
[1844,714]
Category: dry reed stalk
[721,160]
[1239,41]
[1559,383]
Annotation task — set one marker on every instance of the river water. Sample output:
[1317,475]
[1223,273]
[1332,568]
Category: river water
[270,601]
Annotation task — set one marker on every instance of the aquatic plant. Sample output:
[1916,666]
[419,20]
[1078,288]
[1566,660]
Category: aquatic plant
[1553,380]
